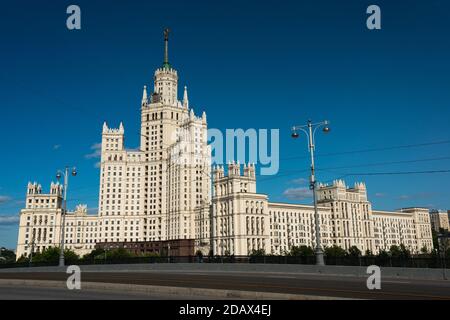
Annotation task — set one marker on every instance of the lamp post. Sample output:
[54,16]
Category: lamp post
[168,252]
[442,250]
[310,131]
[63,223]
[30,262]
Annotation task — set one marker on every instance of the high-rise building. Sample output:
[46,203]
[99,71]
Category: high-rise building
[162,192]
[153,193]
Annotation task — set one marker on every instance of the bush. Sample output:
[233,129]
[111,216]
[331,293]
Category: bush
[335,252]
[120,253]
[97,253]
[354,252]
[302,251]
[258,253]
[51,255]
[7,256]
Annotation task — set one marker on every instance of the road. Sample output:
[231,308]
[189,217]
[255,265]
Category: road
[317,285]
[38,293]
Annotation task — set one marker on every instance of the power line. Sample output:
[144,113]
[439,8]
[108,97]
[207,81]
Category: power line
[387,163]
[373,149]
[292,172]
[398,173]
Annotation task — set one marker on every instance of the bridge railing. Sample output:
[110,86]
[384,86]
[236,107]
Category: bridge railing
[412,262]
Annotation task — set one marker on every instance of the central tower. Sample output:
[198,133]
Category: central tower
[176,155]
[166,78]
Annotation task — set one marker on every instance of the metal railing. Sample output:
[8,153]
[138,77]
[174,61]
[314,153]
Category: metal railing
[412,262]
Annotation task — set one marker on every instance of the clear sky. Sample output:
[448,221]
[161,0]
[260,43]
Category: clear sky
[248,64]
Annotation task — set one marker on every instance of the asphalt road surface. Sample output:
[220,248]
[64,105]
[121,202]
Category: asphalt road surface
[8,292]
[317,285]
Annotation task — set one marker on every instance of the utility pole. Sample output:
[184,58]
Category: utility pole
[168,252]
[63,218]
[310,130]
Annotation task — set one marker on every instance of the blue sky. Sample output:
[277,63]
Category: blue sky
[258,64]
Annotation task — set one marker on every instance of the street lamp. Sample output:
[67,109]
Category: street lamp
[63,224]
[443,243]
[310,132]
[168,252]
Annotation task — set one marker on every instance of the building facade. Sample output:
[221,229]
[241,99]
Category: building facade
[40,223]
[165,191]
[176,248]
[440,220]
[243,220]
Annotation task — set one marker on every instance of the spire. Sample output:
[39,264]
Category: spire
[144,95]
[121,129]
[105,127]
[166,63]
[185,98]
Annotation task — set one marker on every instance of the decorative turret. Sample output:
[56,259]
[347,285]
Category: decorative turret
[217,172]
[56,189]
[249,170]
[81,209]
[34,188]
[112,139]
[234,169]
[339,183]
[144,96]
[185,98]
[204,117]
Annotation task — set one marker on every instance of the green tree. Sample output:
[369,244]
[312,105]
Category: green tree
[7,256]
[302,251]
[51,255]
[199,253]
[97,253]
[443,241]
[404,252]
[424,250]
[258,253]
[395,251]
[23,259]
[383,254]
[354,252]
[335,251]
[369,253]
[434,235]
[70,255]
[152,254]
[119,253]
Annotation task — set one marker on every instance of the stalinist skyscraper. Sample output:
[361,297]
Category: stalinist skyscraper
[162,191]
[155,193]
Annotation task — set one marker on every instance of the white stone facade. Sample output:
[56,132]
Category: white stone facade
[244,220]
[440,220]
[40,223]
[159,192]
